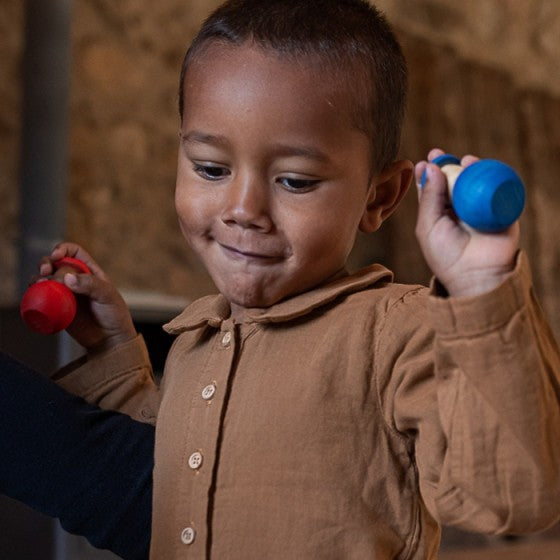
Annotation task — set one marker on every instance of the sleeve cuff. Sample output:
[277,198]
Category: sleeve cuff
[472,316]
[87,374]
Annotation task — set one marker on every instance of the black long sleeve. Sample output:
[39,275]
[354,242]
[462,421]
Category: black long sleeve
[88,467]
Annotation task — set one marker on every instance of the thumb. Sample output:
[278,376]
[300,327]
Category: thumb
[433,197]
[87,285]
[71,281]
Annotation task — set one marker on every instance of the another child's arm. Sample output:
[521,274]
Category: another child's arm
[88,467]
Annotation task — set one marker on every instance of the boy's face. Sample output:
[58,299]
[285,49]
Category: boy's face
[273,179]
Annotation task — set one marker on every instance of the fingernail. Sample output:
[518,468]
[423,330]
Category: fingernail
[426,175]
[70,280]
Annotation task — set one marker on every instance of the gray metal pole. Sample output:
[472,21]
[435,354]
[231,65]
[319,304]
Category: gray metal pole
[44,158]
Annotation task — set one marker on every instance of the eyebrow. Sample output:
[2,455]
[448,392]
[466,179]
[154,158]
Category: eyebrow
[197,137]
[309,152]
[279,150]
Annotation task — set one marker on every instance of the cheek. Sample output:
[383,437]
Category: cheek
[189,219]
[185,199]
[181,208]
[329,237]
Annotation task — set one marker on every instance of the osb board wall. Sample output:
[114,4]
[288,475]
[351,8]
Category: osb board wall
[483,79]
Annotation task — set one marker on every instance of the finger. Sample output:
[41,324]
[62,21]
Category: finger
[468,160]
[434,153]
[65,249]
[46,267]
[46,263]
[69,249]
[434,199]
[419,169]
[93,287]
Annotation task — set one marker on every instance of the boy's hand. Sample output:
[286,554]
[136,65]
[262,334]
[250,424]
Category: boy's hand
[102,319]
[465,261]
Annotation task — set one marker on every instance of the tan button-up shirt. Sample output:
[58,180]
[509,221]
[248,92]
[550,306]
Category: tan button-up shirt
[347,422]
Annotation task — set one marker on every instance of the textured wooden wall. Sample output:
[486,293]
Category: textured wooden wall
[484,79]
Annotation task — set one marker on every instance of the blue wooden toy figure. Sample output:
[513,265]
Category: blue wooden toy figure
[487,195]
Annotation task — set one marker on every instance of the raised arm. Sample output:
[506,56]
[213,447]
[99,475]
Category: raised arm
[481,401]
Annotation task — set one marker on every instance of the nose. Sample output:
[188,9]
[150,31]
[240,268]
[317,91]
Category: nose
[247,204]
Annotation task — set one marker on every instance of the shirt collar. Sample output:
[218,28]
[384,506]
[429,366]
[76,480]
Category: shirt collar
[212,310]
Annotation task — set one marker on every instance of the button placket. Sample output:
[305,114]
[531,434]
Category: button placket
[203,434]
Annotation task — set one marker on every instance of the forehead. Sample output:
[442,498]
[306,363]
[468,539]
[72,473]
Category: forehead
[259,79]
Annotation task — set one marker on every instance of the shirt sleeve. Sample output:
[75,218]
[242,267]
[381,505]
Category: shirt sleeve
[477,393]
[120,379]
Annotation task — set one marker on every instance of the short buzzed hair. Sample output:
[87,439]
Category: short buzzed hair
[350,37]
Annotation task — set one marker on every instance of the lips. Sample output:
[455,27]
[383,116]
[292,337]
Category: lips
[251,253]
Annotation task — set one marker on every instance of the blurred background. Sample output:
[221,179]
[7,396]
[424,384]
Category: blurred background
[88,143]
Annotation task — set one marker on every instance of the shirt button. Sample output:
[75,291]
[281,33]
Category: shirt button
[226,339]
[209,391]
[195,460]
[188,534]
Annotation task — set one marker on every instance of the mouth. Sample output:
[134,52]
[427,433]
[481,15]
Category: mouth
[251,254]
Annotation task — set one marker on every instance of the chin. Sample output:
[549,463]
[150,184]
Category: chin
[251,300]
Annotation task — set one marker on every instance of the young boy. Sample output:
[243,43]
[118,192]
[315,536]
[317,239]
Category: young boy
[305,412]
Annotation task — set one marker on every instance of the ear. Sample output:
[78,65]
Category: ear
[386,191]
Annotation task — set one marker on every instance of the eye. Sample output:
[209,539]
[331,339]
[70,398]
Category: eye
[297,184]
[211,172]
